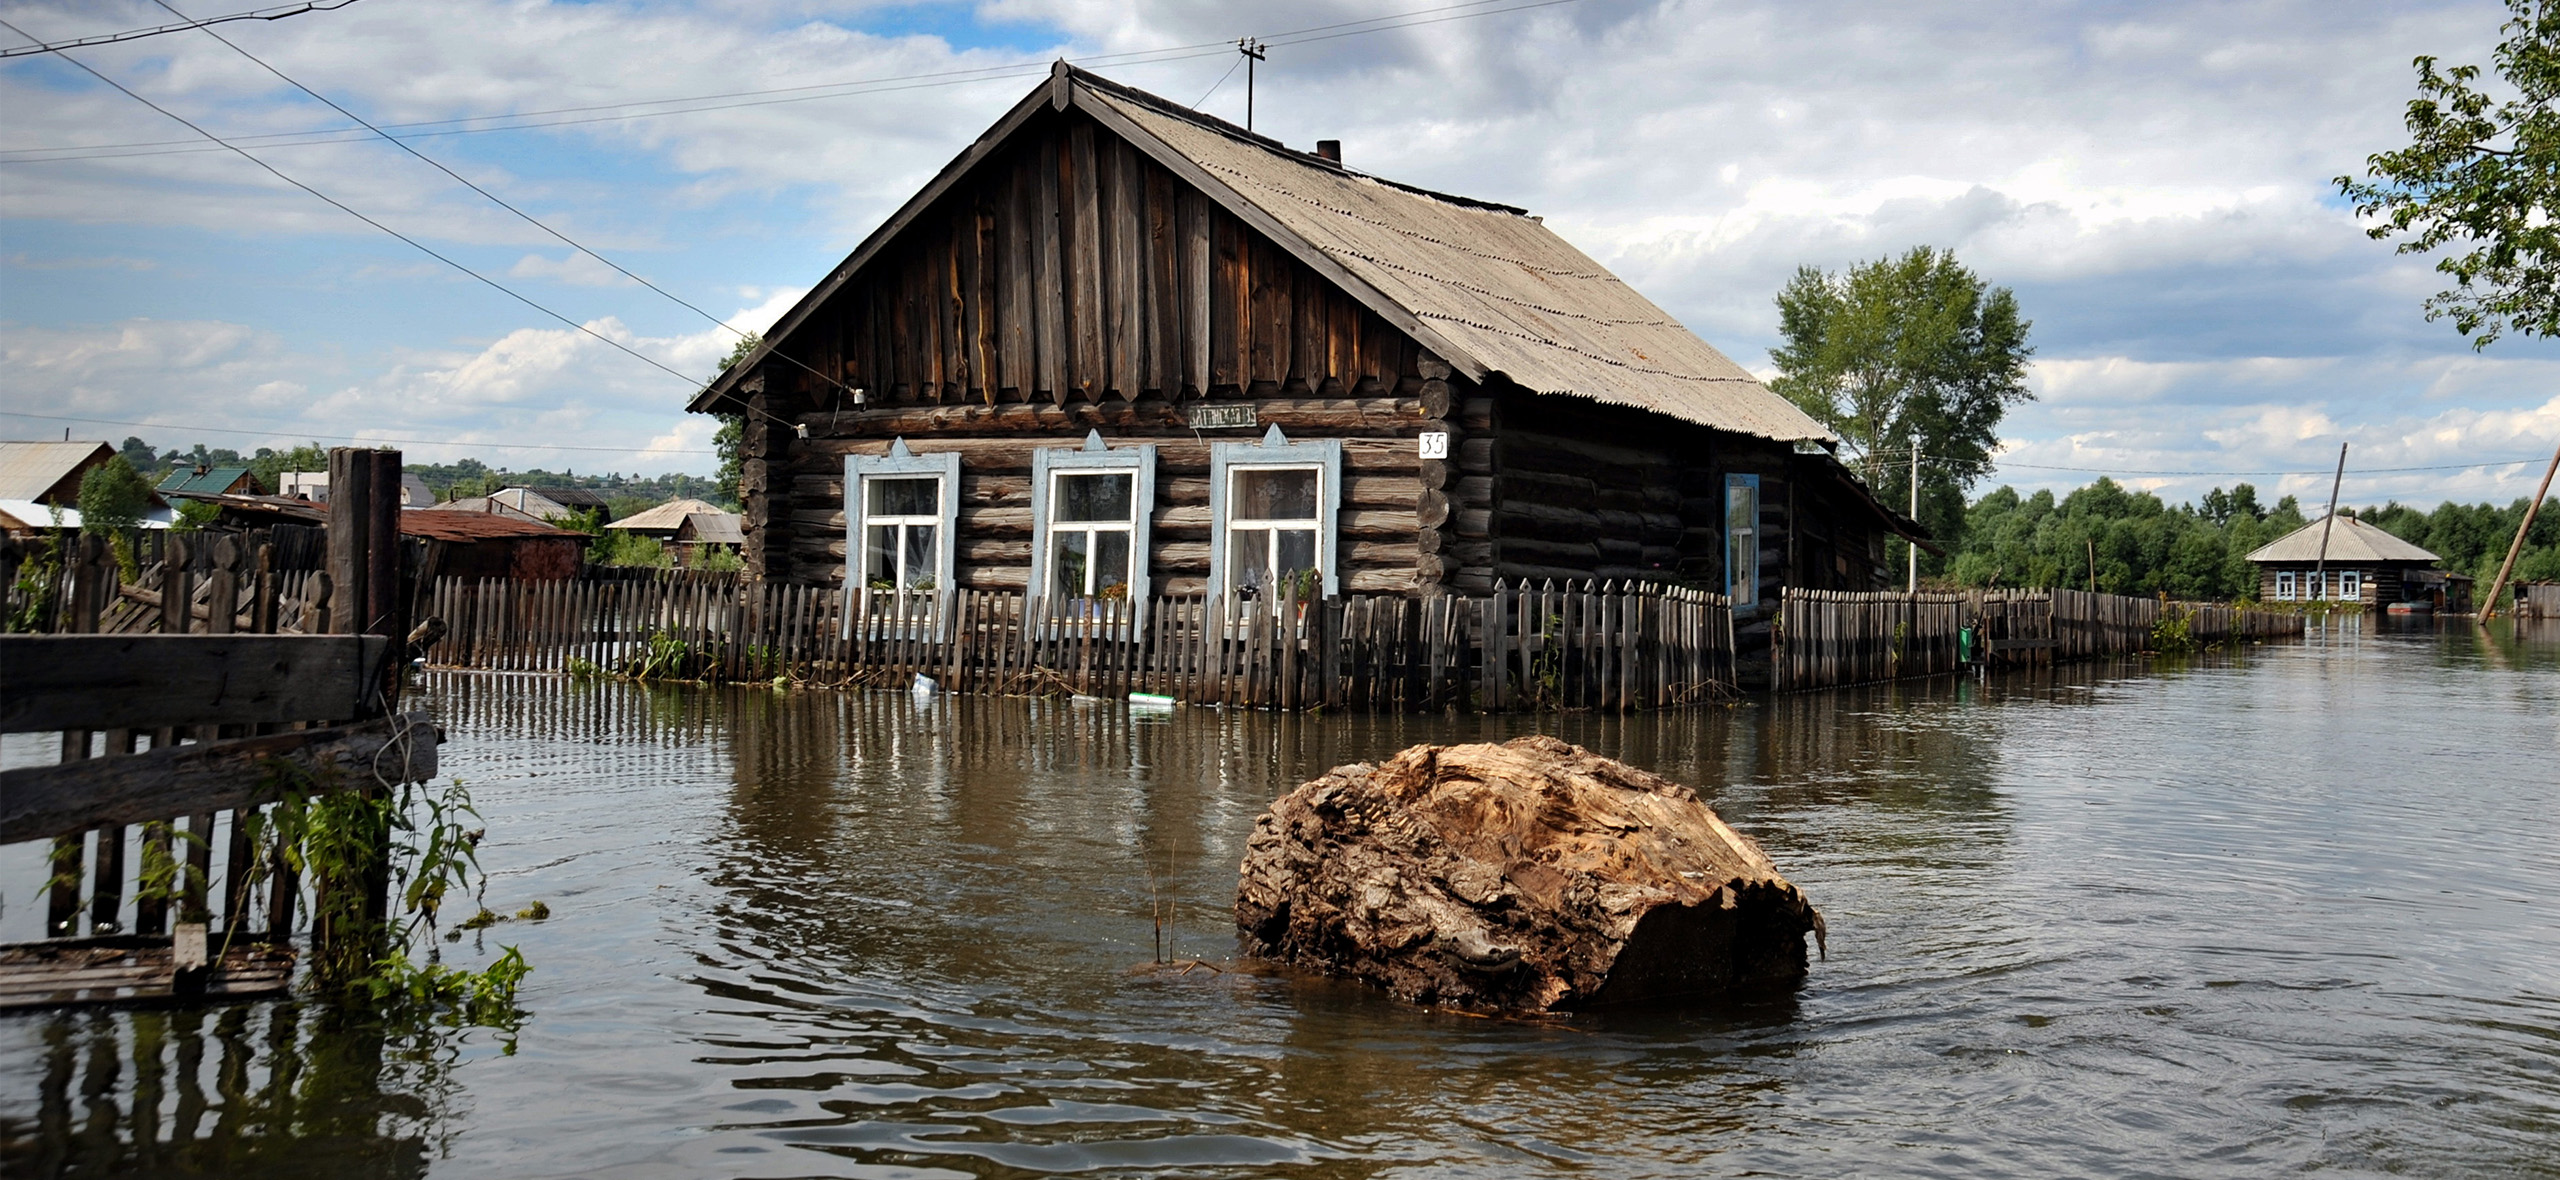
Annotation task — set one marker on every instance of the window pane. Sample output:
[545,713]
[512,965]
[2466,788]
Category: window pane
[1110,564]
[1067,563]
[1297,550]
[919,556]
[1741,504]
[1094,497]
[1263,494]
[1248,560]
[905,497]
[1742,565]
[880,556]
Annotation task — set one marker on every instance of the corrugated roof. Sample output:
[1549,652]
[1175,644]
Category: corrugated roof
[665,517]
[211,479]
[713,528]
[29,470]
[1507,292]
[474,526]
[2350,542]
[484,504]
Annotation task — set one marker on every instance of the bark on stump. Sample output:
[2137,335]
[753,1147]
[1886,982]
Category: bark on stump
[1531,875]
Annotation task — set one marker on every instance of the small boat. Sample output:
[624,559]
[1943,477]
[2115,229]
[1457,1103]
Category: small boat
[2413,608]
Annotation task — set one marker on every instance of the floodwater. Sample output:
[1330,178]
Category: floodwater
[2286,910]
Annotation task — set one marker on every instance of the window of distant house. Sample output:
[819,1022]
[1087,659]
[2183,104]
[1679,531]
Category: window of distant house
[2350,585]
[1742,539]
[2284,586]
[1274,505]
[900,511]
[1090,511]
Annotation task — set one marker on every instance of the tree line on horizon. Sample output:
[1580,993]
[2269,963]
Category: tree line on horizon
[2131,542]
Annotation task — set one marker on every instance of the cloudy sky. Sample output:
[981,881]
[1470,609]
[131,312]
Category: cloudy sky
[2152,178]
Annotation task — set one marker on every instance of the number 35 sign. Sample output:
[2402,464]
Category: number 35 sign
[1435,445]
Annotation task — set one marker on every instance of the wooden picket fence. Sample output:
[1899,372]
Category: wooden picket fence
[1589,645]
[1827,638]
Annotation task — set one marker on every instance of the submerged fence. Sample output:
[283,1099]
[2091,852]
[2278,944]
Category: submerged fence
[1611,646]
[1589,645]
[1825,638]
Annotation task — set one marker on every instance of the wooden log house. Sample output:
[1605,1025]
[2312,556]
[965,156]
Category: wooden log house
[1119,348]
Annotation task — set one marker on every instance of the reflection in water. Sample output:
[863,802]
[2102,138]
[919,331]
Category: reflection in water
[2239,914]
[271,1089]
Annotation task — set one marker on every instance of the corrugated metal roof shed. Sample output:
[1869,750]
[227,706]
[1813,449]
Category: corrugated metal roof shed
[208,479]
[713,528]
[2350,542]
[474,526]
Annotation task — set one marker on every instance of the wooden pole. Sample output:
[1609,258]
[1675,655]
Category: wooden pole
[2489,605]
[1913,545]
[2320,567]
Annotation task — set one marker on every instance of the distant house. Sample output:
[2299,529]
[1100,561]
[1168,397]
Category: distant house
[703,532]
[665,520]
[314,486]
[492,545]
[1118,348]
[491,505]
[37,478]
[205,479]
[2363,564]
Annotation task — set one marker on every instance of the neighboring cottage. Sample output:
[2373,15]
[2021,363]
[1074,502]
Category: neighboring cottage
[703,533]
[490,545]
[557,503]
[40,486]
[2363,564]
[1119,348]
[665,520]
[205,479]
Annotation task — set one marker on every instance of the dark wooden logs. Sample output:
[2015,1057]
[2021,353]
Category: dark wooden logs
[145,681]
[1532,875]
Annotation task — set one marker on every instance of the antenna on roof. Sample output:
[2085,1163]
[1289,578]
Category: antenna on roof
[1253,51]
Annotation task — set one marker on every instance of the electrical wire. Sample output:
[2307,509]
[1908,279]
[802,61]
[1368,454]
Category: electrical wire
[421,247]
[846,89]
[277,13]
[501,202]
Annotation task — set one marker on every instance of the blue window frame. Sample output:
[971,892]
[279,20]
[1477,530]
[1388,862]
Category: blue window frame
[1273,506]
[1091,509]
[1742,539]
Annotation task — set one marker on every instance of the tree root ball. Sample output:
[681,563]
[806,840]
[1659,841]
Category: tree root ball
[1532,875]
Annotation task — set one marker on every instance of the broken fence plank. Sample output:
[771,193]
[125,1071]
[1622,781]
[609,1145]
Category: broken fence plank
[57,682]
[70,797]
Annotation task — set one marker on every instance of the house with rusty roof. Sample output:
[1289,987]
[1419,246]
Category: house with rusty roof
[1118,348]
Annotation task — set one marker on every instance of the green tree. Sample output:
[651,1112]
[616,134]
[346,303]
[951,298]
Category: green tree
[113,497]
[2481,173]
[1903,352]
[268,464]
[730,439]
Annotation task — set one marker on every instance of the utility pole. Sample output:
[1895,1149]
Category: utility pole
[2320,568]
[1915,516]
[2489,605]
[1253,52]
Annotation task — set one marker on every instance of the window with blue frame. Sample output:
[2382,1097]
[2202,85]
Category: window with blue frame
[900,511]
[1272,507]
[1742,539]
[1090,511]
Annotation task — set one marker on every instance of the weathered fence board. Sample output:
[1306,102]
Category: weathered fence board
[55,682]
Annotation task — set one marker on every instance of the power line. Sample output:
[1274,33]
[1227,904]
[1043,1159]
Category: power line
[277,13]
[2322,471]
[466,182]
[421,247]
[419,442]
[844,89]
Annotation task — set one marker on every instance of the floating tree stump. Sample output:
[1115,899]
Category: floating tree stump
[1528,876]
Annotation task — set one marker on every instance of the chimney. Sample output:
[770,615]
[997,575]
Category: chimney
[1329,149]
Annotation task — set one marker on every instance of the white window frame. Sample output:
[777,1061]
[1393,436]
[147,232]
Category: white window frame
[901,463]
[1276,451]
[2350,585]
[2288,584]
[1742,592]
[1094,458]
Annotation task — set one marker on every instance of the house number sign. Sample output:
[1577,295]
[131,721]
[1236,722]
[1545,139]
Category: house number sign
[1221,415]
[1435,444]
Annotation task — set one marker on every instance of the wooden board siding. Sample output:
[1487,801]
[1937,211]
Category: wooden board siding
[2382,584]
[1076,269]
[1382,482]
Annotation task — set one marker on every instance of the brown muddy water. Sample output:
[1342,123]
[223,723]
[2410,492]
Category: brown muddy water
[2287,910]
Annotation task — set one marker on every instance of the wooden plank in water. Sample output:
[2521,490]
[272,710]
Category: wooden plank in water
[133,970]
[41,801]
[57,682]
